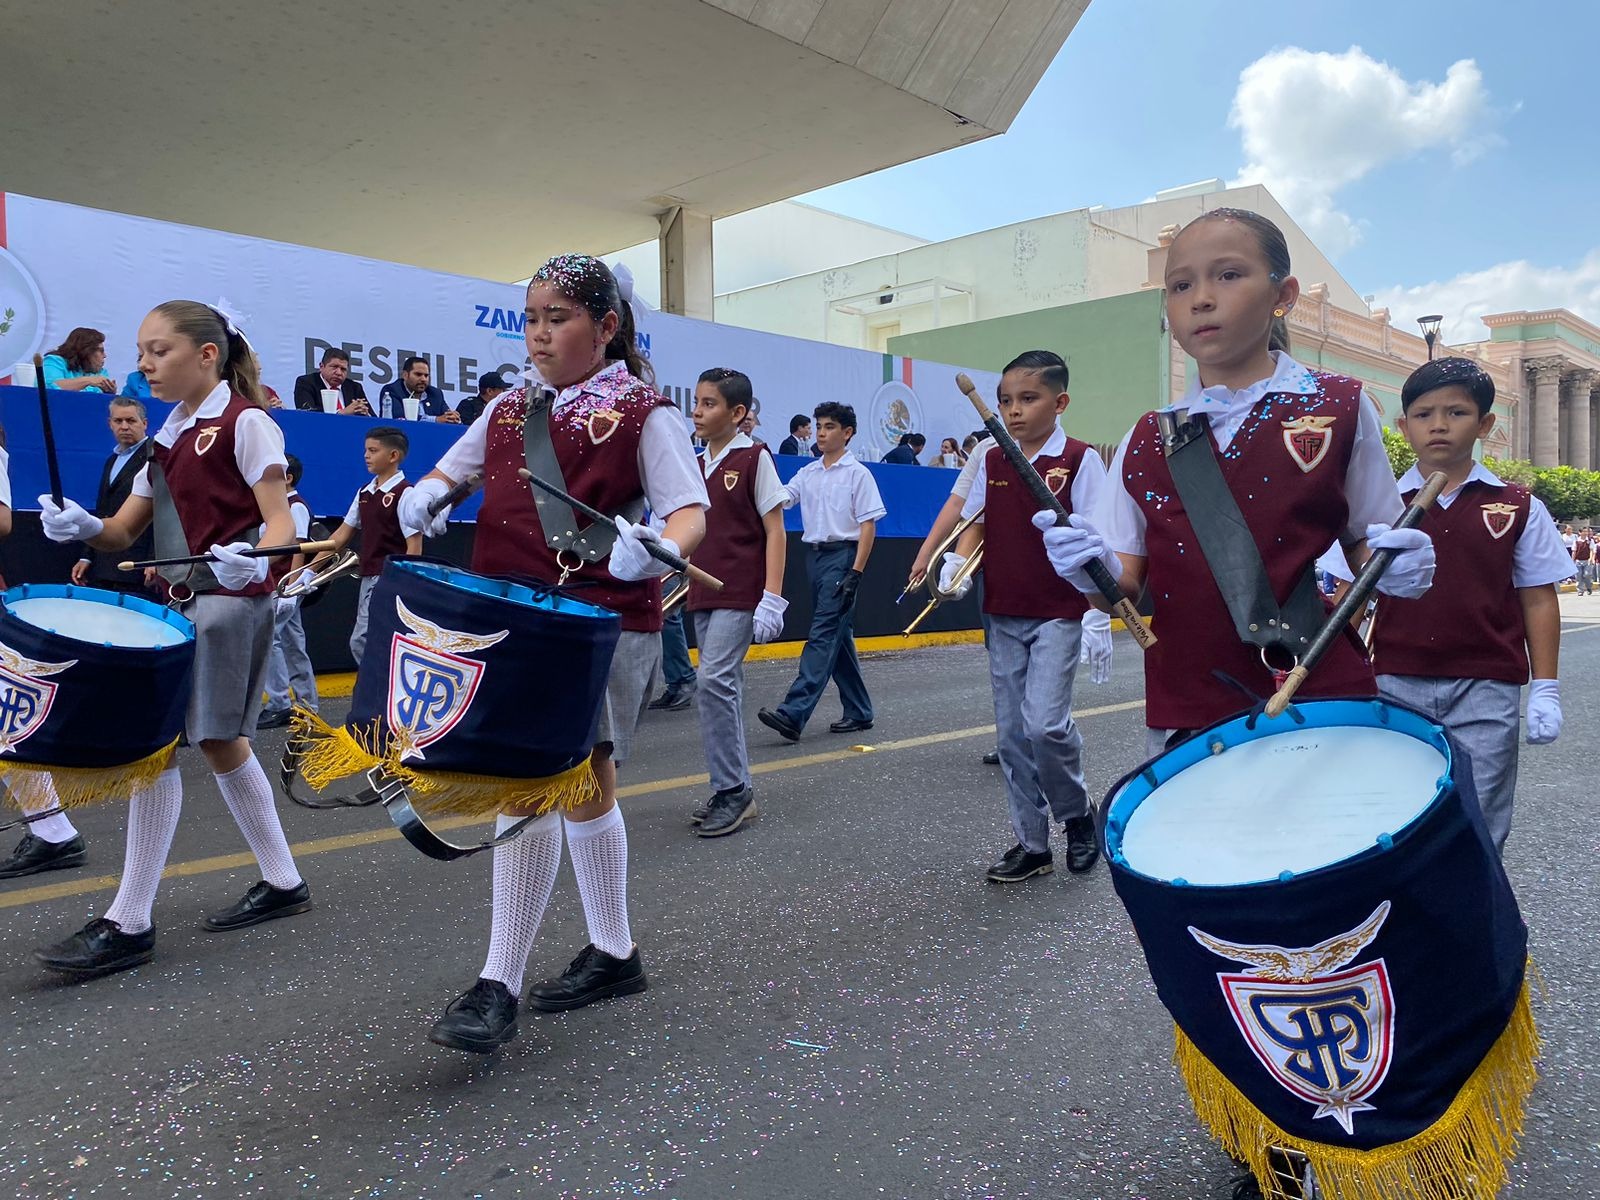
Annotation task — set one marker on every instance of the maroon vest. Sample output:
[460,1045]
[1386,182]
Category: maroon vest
[735,546]
[381,534]
[1287,474]
[1582,550]
[596,441]
[1468,625]
[1017,578]
[215,505]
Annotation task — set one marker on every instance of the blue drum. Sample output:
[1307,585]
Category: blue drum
[1324,916]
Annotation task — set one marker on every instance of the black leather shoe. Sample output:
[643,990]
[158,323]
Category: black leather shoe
[699,811]
[728,811]
[1020,863]
[849,725]
[593,975]
[786,728]
[674,699]
[262,902]
[480,1020]
[1083,847]
[99,948]
[34,854]
[992,759]
[272,720]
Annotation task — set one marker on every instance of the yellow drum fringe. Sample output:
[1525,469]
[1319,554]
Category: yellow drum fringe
[77,787]
[329,753]
[1462,1156]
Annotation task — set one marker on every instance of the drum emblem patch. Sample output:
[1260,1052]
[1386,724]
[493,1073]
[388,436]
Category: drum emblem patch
[431,681]
[1498,518]
[1308,439]
[1322,1030]
[1056,478]
[26,695]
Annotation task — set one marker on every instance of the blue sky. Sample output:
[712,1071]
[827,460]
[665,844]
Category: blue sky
[1476,190]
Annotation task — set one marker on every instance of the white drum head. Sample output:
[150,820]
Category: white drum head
[92,621]
[1288,802]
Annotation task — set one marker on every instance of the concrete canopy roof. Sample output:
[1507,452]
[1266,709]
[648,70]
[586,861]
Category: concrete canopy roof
[480,136]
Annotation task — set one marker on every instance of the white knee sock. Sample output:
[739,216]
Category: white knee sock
[249,798]
[600,861]
[152,820]
[36,793]
[524,876]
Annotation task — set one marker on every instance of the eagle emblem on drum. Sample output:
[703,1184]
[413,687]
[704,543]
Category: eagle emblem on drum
[1322,1030]
[1308,439]
[1498,519]
[431,681]
[26,696]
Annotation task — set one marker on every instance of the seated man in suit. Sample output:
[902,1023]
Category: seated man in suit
[490,385]
[332,376]
[98,568]
[906,452]
[413,381]
[799,439]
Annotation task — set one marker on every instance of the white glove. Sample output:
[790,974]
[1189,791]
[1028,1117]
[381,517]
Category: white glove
[68,523]
[952,563]
[769,616]
[1544,711]
[1072,547]
[1097,645]
[1410,572]
[233,570]
[629,560]
[414,503]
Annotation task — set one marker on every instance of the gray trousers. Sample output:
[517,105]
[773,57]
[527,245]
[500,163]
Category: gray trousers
[723,635]
[1484,718]
[358,633]
[1031,665]
[289,666]
[1585,578]
[633,671]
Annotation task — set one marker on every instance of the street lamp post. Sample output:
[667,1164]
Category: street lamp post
[1430,330]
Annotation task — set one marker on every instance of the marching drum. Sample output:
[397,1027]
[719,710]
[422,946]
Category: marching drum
[1325,918]
[94,686]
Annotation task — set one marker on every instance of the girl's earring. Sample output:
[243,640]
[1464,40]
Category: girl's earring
[1279,312]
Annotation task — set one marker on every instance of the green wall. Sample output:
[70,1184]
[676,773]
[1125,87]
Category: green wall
[1543,329]
[1116,352]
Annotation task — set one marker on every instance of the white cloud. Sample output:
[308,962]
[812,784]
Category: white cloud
[1504,287]
[1313,122]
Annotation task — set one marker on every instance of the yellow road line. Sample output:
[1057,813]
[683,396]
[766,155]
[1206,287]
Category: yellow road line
[371,837]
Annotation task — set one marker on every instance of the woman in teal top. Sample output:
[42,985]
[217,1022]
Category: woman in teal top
[79,363]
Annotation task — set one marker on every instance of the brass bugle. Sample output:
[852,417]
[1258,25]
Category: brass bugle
[931,577]
[677,594]
[335,566]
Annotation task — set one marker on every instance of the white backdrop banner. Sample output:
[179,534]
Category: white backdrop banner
[63,266]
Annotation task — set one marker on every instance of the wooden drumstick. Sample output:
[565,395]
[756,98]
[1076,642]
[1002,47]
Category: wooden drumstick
[1355,599]
[253,552]
[654,549]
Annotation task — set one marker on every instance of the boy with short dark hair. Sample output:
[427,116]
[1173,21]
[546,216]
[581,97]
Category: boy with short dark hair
[375,514]
[840,508]
[1492,612]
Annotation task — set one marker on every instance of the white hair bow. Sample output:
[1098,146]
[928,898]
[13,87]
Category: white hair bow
[231,318]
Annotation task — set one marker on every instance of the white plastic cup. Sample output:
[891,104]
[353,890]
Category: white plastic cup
[331,399]
[410,408]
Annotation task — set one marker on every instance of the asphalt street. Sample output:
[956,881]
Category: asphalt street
[839,1006]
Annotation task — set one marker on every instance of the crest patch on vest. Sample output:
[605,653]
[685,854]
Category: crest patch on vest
[1056,478]
[1498,519]
[602,423]
[206,438]
[730,480]
[1308,439]
[388,499]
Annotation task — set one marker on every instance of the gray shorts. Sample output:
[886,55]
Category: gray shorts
[633,670]
[233,636]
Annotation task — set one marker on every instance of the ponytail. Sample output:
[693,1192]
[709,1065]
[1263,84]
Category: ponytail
[588,281]
[201,323]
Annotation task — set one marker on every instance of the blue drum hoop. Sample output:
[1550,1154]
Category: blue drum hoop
[72,591]
[502,588]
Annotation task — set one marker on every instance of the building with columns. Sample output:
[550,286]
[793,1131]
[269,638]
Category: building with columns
[1555,355]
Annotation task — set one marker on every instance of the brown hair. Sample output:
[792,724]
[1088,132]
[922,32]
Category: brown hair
[1274,248]
[589,282]
[77,347]
[201,323]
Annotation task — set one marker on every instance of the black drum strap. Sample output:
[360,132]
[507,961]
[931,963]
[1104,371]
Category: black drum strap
[559,522]
[1229,548]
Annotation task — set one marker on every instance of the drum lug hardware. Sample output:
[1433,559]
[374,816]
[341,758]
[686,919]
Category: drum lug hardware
[1254,628]
[1217,748]
[388,787]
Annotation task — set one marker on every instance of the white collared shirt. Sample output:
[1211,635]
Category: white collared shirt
[1369,483]
[969,470]
[834,501]
[1087,483]
[667,466]
[353,517]
[5,477]
[1539,558]
[257,440]
[769,490]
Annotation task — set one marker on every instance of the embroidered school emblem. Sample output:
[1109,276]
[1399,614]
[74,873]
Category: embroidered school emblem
[1323,1031]
[1056,478]
[206,438]
[26,696]
[388,499]
[730,480]
[431,681]
[1498,519]
[1308,439]
[603,422]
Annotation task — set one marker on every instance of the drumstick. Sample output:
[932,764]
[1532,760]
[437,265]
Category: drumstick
[456,494]
[1354,599]
[50,462]
[654,549]
[1104,584]
[253,552]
